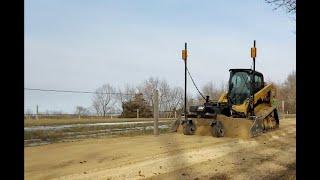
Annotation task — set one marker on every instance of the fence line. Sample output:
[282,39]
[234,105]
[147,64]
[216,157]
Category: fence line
[162,114]
[71,91]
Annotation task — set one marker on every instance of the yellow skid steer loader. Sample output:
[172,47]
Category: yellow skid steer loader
[245,110]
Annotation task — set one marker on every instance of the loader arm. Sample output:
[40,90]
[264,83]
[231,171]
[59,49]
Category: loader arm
[262,95]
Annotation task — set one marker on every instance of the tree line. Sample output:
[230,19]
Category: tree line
[171,98]
[286,92]
[108,99]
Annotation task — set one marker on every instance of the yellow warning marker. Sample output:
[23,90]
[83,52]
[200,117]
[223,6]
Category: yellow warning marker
[254,52]
[184,55]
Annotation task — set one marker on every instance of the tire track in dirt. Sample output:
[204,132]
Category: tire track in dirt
[149,167]
[274,158]
[168,156]
[192,157]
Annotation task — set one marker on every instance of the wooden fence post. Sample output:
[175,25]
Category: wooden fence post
[156,113]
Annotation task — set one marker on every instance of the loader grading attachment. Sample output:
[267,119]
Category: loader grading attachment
[246,110]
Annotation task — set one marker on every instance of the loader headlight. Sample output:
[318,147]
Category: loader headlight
[200,108]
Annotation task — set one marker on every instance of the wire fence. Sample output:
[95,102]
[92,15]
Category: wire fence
[162,114]
[113,110]
[69,91]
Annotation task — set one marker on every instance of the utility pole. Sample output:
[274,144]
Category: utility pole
[253,55]
[137,113]
[184,57]
[155,112]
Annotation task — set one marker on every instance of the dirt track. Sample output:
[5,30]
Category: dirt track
[169,156]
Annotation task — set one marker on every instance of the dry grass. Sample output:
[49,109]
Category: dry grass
[65,121]
[287,116]
[79,132]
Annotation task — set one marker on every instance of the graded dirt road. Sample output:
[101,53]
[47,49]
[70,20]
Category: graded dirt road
[169,156]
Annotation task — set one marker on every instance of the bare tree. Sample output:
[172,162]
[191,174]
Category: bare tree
[170,98]
[289,92]
[82,111]
[126,94]
[286,91]
[190,101]
[175,99]
[104,100]
[209,89]
[289,5]
[164,95]
[148,88]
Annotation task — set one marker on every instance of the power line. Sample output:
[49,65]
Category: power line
[68,91]
[196,85]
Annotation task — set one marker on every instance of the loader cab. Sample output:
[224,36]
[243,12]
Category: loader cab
[241,85]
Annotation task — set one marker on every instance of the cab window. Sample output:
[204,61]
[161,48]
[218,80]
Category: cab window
[258,82]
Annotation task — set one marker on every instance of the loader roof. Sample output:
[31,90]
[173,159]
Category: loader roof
[245,70]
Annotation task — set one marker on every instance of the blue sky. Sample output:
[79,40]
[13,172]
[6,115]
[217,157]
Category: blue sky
[81,45]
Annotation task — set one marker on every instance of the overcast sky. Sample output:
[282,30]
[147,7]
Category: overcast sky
[81,44]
